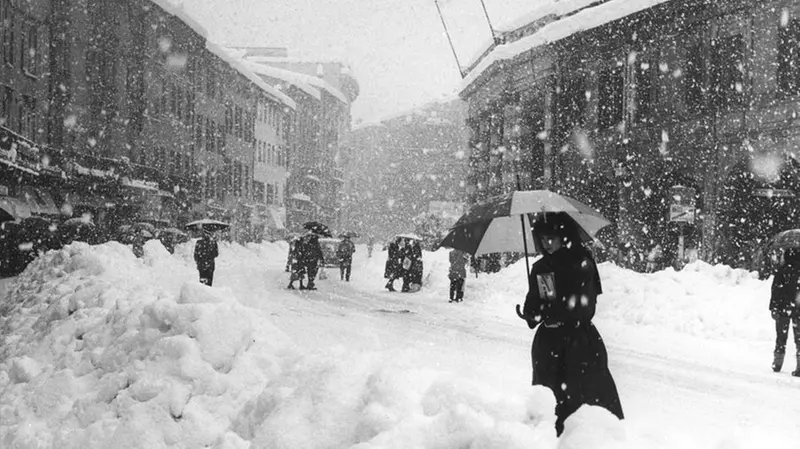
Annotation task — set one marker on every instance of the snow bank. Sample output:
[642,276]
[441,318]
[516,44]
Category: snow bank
[712,301]
[99,356]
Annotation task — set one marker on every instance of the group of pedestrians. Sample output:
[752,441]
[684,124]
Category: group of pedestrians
[404,261]
[305,257]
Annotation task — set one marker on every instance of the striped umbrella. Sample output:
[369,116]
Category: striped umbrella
[503,223]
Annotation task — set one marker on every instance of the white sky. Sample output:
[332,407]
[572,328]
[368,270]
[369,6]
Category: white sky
[99,349]
[397,48]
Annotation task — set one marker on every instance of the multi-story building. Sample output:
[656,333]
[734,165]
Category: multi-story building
[323,92]
[145,118]
[405,166]
[644,98]
[25,85]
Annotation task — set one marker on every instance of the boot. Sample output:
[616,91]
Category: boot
[311,285]
[796,372]
[290,286]
[390,286]
[777,362]
[302,287]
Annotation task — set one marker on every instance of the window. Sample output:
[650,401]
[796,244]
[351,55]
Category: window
[270,194]
[570,107]
[694,85]
[7,32]
[211,83]
[228,119]
[789,58]
[727,71]
[645,76]
[610,106]
[5,106]
[27,117]
[28,53]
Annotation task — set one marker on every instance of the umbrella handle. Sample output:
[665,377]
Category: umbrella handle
[519,312]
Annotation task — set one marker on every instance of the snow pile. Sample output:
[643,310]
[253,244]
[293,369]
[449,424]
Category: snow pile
[713,301]
[98,356]
[100,349]
[710,301]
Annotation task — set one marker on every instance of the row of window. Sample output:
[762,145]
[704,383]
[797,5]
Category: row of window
[234,178]
[713,77]
[19,40]
[269,114]
[271,154]
[18,113]
[266,193]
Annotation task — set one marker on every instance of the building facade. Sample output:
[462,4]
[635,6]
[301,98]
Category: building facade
[688,93]
[123,110]
[324,92]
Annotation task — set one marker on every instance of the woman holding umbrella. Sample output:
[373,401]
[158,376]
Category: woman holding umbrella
[568,355]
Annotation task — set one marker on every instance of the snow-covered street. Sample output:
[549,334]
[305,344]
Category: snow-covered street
[107,345]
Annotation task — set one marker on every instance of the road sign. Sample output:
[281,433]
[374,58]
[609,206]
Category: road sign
[681,213]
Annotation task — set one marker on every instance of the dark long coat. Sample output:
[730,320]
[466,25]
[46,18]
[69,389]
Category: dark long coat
[786,285]
[205,251]
[568,354]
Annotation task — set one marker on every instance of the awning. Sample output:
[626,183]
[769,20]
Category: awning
[38,200]
[86,199]
[13,209]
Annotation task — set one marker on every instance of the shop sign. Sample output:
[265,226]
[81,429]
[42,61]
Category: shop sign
[682,206]
[774,193]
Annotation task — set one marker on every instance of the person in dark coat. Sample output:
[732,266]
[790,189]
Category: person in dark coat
[412,266]
[393,264]
[457,274]
[784,306]
[205,251]
[309,255]
[294,267]
[345,252]
[568,355]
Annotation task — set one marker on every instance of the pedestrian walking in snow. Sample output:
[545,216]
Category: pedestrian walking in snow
[784,305]
[393,264]
[411,256]
[345,252]
[568,355]
[310,256]
[205,251]
[370,246]
[294,266]
[457,274]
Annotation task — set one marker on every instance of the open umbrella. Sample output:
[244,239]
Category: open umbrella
[503,223]
[207,224]
[318,228]
[785,239]
[143,225]
[408,236]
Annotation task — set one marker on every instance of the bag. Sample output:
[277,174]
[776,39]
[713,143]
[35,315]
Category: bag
[406,263]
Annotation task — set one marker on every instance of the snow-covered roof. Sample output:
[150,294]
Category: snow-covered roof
[300,77]
[284,75]
[175,8]
[589,15]
[240,66]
